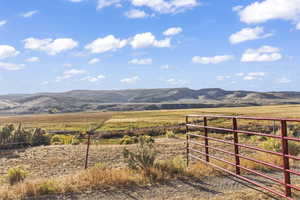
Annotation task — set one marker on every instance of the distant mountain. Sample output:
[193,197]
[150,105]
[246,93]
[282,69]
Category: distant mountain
[138,99]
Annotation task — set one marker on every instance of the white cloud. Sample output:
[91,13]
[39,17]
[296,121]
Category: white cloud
[237,8]
[29,14]
[173,31]
[3,22]
[162,6]
[50,46]
[75,71]
[248,34]
[298,26]
[147,39]
[130,80]
[33,59]
[136,13]
[94,61]
[263,54]
[67,65]
[212,60]
[93,79]
[165,67]
[69,74]
[11,66]
[75,1]
[106,3]
[173,81]
[7,51]
[260,12]
[254,76]
[45,83]
[222,78]
[163,43]
[145,61]
[108,43]
[240,74]
[283,80]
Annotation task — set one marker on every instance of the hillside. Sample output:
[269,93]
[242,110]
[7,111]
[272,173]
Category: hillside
[139,99]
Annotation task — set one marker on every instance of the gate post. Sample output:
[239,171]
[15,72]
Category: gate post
[187,140]
[286,164]
[206,140]
[236,147]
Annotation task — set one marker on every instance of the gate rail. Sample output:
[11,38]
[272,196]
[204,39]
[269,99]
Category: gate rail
[283,137]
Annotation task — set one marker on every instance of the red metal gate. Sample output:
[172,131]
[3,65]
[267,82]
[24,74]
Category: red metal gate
[201,122]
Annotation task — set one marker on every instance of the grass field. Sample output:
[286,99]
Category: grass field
[64,162]
[140,119]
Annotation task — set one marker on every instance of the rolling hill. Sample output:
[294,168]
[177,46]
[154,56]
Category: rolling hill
[139,99]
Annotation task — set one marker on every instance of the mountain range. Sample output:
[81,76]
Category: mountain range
[139,99]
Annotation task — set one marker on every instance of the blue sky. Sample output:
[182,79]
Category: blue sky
[61,45]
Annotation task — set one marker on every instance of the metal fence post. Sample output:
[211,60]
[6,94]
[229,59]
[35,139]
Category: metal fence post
[206,140]
[286,164]
[236,147]
[87,150]
[187,140]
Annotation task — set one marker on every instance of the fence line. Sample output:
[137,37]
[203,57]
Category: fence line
[283,138]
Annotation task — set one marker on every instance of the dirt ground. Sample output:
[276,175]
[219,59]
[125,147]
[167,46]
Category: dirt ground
[57,160]
[224,187]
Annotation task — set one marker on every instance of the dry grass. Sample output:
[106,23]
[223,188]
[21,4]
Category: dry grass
[101,177]
[66,121]
[140,119]
[199,169]
[94,178]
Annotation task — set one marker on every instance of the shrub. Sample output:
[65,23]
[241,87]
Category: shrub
[47,188]
[229,137]
[39,137]
[175,167]
[255,138]
[56,139]
[170,134]
[75,141]
[294,148]
[100,165]
[144,157]
[62,139]
[129,140]
[15,175]
[147,139]
[156,132]
[274,144]
[21,137]
[179,130]
[179,163]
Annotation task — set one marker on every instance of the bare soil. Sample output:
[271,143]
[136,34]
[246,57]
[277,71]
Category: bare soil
[57,160]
